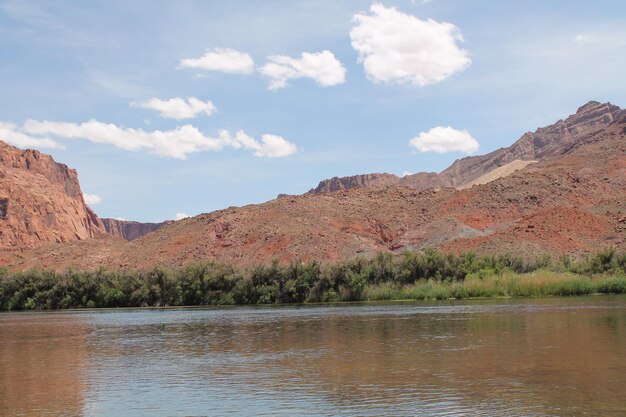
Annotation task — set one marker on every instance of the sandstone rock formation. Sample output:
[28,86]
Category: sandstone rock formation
[41,201]
[355,181]
[543,144]
[130,230]
[573,201]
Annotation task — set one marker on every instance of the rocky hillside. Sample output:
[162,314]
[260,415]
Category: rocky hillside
[41,201]
[573,202]
[130,230]
[355,181]
[543,144]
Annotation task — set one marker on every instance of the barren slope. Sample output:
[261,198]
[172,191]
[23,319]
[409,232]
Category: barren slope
[574,202]
[543,144]
[500,172]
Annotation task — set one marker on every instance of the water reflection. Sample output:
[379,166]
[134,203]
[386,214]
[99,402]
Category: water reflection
[42,364]
[537,357]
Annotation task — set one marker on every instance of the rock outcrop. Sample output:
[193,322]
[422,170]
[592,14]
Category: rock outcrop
[41,201]
[130,230]
[355,181]
[543,144]
[571,202]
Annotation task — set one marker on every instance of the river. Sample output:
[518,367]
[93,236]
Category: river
[558,356]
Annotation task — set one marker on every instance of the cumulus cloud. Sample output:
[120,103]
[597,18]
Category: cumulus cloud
[175,143]
[271,146]
[323,67]
[10,134]
[178,108]
[91,199]
[225,60]
[444,139]
[398,47]
[180,216]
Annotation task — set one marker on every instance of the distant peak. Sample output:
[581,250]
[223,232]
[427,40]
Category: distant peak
[590,105]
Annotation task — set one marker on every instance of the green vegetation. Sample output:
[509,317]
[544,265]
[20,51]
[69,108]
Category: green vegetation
[412,275]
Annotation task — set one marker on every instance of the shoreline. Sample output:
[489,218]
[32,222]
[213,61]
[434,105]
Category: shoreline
[550,285]
[305,304]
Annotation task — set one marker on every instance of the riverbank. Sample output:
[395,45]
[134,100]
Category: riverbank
[409,276]
[541,283]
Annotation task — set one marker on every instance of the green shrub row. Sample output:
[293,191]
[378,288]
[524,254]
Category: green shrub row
[417,274]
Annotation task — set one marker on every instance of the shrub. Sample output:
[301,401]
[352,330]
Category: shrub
[412,275]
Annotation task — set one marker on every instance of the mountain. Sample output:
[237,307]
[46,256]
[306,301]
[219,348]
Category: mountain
[41,201]
[572,201]
[130,230]
[543,144]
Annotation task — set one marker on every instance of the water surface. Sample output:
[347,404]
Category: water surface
[520,357]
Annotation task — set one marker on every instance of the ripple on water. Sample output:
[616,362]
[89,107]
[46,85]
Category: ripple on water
[493,358]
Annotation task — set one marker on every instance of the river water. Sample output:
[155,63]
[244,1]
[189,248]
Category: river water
[561,356]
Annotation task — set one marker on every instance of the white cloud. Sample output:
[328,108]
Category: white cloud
[91,199]
[444,139]
[398,47]
[180,216]
[178,108]
[10,134]
[274,147]
[323,67]
[176,143]
[406,173]
[271,146]
[225,60]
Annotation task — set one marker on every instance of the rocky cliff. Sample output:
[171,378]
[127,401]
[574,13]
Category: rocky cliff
[545,143]
[41,201]
[130,230]
[571,203]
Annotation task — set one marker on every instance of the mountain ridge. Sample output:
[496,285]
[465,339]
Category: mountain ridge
[538,145]
[573,201]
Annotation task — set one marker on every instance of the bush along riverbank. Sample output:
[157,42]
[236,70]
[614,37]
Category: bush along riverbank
[412,275]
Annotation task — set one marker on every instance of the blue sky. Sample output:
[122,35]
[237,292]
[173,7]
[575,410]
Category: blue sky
[519,65]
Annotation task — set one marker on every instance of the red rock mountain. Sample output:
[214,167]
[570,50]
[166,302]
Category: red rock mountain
[41,201]
[130,230]
[573,201]
[544,143]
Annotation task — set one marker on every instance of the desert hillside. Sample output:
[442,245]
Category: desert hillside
[573,201]
[545,143]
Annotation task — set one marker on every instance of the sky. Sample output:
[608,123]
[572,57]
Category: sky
[175,108]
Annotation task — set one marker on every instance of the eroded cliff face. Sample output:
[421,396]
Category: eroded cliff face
[41,201]
[543,144]
[130,230]
[574,203]
[355,181]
